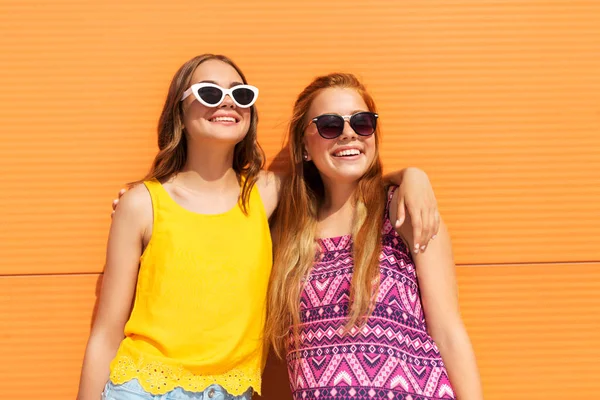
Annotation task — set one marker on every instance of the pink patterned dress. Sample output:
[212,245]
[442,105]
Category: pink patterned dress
[391,357]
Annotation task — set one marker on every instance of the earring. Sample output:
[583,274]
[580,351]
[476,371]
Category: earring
[305,156]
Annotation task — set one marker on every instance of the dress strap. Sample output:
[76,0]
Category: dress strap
[391,191]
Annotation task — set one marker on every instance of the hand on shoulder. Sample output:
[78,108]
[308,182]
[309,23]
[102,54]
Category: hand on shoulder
[135,200]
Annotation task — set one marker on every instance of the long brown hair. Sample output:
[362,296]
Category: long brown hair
[248,156]
[295,222]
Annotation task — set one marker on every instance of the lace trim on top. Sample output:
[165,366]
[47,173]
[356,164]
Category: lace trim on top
[159,378]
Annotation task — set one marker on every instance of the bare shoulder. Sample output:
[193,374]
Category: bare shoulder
[135,203]
[269,185]
[136,197]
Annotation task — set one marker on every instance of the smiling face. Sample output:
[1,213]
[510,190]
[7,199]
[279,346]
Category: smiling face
[226,122]
[348,157]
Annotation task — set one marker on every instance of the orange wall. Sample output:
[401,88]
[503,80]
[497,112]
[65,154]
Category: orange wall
[498,101]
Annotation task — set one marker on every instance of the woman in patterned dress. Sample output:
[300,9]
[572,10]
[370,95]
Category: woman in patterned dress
[354,313]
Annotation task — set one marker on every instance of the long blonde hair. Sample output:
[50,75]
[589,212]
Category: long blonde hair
[295,222]
[248,156]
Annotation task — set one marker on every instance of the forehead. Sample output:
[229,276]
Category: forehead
[217,71]
[342,101]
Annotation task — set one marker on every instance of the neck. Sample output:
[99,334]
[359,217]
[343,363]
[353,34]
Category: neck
[339,197]
[208,167]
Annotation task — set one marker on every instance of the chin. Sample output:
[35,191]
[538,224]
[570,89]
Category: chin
[228,136]
[347,176]
[351,171]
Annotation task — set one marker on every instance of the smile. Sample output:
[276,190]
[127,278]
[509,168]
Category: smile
[347,153]
[223,119]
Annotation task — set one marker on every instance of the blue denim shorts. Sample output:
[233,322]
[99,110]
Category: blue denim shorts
[132,390]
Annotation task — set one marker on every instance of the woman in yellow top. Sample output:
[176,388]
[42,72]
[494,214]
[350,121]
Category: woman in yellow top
[183,302]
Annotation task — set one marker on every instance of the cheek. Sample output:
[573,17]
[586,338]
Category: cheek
[195,111]
[371,148]
[246,115]
[316,146]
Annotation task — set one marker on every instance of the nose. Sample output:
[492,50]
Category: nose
[227,102]
[348,133]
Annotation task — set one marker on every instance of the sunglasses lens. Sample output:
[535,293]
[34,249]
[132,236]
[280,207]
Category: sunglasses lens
[364,123]
[243,96]
[210,95]
[330,126]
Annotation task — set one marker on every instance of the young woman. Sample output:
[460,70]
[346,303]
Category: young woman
[182,308]
[355,314]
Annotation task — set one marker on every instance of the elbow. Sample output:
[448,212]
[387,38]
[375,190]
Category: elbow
[106,339]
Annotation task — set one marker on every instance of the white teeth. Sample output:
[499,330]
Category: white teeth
[350,152]
[223,119]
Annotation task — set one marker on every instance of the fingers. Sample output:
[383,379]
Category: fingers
[115,202]
[425,230]
[425,220]
[431,226]
[436,220]
[417,224]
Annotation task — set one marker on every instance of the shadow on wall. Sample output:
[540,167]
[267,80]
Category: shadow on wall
[275,384]
[281,161]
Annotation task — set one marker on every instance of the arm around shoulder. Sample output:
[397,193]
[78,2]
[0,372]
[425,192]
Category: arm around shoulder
[416,203]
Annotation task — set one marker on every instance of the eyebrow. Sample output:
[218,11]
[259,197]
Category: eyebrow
[215,83]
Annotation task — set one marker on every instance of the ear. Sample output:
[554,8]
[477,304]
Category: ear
[305,154]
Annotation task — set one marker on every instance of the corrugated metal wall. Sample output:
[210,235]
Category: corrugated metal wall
[499,101]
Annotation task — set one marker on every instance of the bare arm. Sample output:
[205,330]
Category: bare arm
[417,197]
[129,232]
[439,294]
[269,186]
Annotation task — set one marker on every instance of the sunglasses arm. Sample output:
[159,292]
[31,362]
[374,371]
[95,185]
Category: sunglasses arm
[186,94]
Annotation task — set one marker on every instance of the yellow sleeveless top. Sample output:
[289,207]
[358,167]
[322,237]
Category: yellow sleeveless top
[200,302]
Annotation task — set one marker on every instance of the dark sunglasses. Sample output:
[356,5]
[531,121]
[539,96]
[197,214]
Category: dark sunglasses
[212,95]
[331,126]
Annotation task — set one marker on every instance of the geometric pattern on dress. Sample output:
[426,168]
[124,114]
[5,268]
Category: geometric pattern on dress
[391,356]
